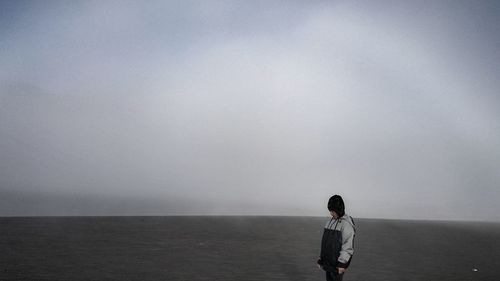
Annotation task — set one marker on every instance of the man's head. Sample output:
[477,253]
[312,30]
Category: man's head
[336,206]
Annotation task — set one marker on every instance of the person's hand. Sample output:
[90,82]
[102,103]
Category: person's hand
[341,270]
[318,262]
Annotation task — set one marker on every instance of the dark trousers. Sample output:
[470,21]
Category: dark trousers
[330,276]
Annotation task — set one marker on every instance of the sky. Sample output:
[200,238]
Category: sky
[250,108]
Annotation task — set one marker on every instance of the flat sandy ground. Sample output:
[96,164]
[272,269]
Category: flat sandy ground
[240,248]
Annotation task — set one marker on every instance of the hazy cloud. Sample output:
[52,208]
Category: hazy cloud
[250,108]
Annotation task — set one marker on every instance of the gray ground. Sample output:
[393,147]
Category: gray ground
[239,248]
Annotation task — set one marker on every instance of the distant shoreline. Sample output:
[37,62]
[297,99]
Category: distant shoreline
[250,216]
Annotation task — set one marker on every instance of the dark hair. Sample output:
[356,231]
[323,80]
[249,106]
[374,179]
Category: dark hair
[336,204]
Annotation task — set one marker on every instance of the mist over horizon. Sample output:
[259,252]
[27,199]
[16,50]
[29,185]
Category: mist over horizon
[250,108]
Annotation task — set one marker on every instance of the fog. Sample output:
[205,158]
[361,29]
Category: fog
[250,108]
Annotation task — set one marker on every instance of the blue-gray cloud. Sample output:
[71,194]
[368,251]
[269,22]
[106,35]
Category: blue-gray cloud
[254,106]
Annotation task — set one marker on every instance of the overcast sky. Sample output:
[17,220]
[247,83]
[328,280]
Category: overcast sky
[250,107]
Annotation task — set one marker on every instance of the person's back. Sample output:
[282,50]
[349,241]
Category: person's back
[337,243]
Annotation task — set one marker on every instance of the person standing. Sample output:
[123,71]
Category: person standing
[337,243]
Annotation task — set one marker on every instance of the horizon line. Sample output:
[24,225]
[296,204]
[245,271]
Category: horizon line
[269,215]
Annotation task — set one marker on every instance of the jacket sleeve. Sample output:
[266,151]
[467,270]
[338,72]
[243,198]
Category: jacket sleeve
[347,249]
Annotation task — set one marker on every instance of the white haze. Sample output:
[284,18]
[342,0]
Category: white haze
[266,108]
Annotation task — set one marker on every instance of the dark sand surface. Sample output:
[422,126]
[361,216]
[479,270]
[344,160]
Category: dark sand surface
[239,248]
